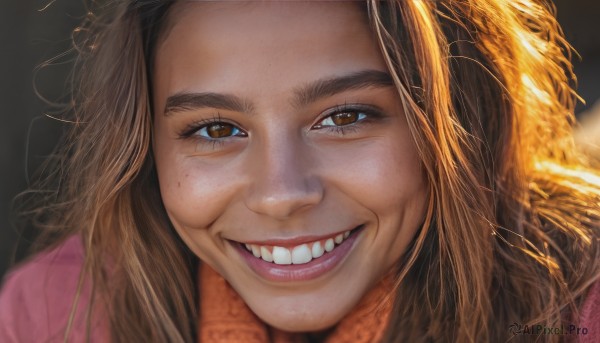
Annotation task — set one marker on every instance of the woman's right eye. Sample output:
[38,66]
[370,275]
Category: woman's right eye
[219,130]
[213,130]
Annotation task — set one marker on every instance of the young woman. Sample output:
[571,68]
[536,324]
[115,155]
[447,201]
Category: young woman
[396,171]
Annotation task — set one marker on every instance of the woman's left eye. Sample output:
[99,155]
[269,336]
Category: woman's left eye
[342,119]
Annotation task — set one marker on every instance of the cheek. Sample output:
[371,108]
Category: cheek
[384,175]
[385,179]
[192,191]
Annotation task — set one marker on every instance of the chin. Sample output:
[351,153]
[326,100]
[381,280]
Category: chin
[302,322]
[302,314]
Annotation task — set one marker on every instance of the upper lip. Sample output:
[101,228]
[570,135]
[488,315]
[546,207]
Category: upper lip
[293,241]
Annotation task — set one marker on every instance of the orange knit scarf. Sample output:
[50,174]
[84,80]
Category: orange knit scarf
[225,318]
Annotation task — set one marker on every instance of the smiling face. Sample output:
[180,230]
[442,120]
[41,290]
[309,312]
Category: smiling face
[283,155]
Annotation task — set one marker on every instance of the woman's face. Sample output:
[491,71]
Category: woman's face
[279,134]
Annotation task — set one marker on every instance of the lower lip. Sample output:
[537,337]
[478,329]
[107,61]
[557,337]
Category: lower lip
[299,272]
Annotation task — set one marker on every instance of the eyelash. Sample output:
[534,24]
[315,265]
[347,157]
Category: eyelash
[190,130]
[371,114]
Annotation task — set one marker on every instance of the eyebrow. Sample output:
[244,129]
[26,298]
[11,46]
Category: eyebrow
[191,101]
[303,95]
[331,86]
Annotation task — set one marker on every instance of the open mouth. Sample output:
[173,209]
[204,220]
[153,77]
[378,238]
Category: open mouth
[301,253]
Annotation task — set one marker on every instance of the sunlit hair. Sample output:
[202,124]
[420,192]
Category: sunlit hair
[511,232]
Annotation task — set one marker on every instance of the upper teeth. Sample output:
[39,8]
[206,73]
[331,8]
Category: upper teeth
[299,254]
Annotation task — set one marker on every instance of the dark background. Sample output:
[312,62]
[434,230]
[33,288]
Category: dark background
[29,36]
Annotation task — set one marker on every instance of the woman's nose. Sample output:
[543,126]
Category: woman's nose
[284,183]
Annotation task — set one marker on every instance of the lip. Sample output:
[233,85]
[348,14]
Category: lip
[300,272]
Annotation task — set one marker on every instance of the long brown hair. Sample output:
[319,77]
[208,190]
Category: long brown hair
[511,232]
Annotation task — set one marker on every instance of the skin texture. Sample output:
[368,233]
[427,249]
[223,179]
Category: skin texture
[285,174]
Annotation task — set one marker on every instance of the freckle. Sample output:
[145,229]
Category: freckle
[179,184]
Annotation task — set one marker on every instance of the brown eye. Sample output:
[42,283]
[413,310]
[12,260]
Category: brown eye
[343,119]
[219,130]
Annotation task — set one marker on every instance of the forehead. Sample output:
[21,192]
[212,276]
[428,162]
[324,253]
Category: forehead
[228,15]
[243,23]
[276,44]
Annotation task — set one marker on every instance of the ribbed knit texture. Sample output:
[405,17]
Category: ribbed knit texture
[225,318]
